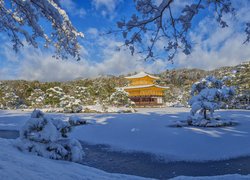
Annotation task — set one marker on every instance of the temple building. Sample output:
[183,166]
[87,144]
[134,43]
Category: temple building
[143,90]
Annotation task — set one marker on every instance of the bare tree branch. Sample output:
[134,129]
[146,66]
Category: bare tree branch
[158,23]
[22,19]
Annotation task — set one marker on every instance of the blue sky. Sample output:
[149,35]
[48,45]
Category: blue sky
[213,47]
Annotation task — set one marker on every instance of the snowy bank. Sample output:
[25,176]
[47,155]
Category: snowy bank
[223,177]
[17,165]
[98,108]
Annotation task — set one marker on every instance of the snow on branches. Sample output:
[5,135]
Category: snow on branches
[22,18]
[70,104]
[47,137]
[168,23]
[120,98]
[208,95]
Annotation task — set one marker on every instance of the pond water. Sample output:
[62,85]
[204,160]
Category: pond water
[146,165]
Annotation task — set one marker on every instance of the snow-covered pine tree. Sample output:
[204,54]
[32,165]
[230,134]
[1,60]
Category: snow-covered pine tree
[47,137]
[53,96]
[207,96]
[70,104]
[83,94]
[120,98]
[37,98]
[11,100]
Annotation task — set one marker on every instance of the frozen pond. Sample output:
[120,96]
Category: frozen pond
[146,165]
[9,134]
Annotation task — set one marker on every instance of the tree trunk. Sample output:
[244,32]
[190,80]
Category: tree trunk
[205,113]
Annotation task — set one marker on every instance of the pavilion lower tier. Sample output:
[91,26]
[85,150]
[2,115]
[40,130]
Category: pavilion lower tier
[147,100]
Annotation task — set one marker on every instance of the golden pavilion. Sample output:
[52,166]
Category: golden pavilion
[143,90]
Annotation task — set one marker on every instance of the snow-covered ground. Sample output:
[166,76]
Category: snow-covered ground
[13,119]
[97,108]
[150,130]
[15,165]
[224,177]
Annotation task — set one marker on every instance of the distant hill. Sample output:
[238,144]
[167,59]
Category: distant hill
[21,94]
[180,80]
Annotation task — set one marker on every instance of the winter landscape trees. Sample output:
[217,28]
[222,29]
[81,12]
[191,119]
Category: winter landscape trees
[208,95]
[88,92]
[120,98]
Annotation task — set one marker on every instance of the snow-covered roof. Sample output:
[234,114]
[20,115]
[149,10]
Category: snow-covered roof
[140,75]
[144,86]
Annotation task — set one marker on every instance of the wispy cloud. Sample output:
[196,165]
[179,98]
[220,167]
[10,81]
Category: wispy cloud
[72,8]
[35,64]
[214,46]
[106,7]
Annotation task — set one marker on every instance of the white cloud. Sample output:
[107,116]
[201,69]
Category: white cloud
[6,74]
[93,32]
[108,4]
[214,46]
[8,52]
[33,64]
[72,8]
[106,7]
[42,67]
[231,53]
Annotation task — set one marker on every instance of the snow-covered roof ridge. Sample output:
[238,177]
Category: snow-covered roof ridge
[144,86]
[140,75]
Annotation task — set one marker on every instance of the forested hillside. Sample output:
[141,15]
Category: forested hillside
[33,94]
[180,82]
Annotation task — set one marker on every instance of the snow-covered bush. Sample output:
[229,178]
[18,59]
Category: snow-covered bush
[120,98]
[37,98]
[101,91]
[176,96]
[83,94]
[75,121]
[70,104]
[47,137]
[23,106]
[53,96]
[242,100]
[207,95]
[11,100]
